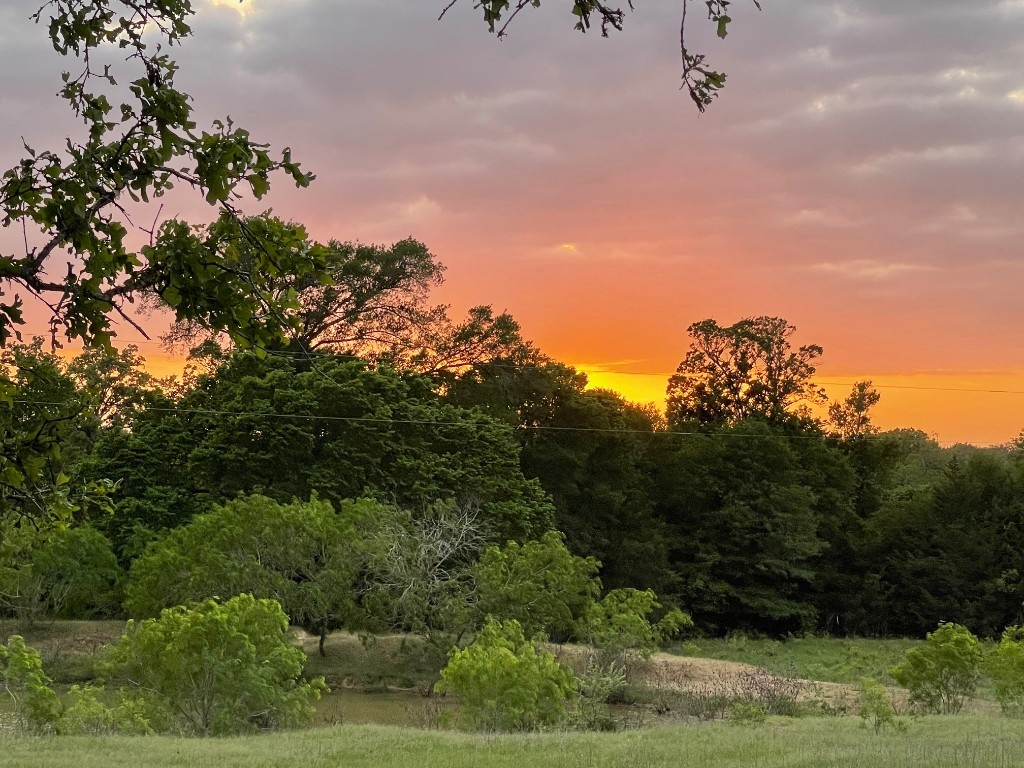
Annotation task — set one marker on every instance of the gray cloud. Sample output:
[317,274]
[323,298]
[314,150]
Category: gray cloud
[874,138]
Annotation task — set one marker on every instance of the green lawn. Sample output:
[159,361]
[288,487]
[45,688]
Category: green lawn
[806,743]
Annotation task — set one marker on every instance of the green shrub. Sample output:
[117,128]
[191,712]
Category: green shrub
[505,683]
[875,707]
[1006,668]
[619,624]
[85,713]
[36,706]
[941,674]
[217,668]
[597,687]
[747,713]
[540,584]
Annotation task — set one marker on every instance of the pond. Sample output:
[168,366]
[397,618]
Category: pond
[391,707]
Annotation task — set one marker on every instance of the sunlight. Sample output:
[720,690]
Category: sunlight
[242,7]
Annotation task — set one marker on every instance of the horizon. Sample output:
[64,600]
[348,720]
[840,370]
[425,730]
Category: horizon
[859,176]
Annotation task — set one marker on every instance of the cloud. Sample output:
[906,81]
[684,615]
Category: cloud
[816,217]
[868,269]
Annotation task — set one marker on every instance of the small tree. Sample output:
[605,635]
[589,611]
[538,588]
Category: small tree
[619,624]
[540,584]
[35,705]
[217,668]
[941,674]
[875,707]
[301,554]
[505,683]
[74,574]
[1006,668]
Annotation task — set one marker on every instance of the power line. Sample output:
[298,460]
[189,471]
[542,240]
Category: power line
[473,424]
[667,375]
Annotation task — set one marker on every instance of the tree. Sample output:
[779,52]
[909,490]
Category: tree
[418,570]
[72,574]
[136,149]
[373,300]
[35,704]
[540,584]
[702,82]
[851,419]
[746,370]
[326,424]
[941,674]
[743,527]
[1005,666]
[217,668]
[587,448]
[43,418]
[304,555]
[115,383]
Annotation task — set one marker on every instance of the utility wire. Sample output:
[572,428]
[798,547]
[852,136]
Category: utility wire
[493,422]
[663,375]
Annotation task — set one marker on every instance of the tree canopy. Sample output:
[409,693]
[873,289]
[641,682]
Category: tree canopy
[742,371]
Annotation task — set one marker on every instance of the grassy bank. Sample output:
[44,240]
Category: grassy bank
[836,660]
[808,743]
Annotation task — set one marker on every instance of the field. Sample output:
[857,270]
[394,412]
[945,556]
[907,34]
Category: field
[370,718]
[805,743]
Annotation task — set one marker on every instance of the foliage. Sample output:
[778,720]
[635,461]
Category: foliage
[85,713]
[73,574]
[1005,667]
[743,371]
[217,668]
[328,425]
[851,419]
[41,417]
[374,299]
[941,674]
[587,448]
[418,569]
[540,584]
[135,148]
[875,707]
[701,82]
[598,685]
[36,706]
[505,683]
[743,512]
[620,623]
[304,555]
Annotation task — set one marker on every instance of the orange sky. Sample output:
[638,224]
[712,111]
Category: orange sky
[861,175]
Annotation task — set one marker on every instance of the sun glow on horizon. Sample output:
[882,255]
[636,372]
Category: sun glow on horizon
[981,408]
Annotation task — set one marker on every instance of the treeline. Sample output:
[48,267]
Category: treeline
[744,504]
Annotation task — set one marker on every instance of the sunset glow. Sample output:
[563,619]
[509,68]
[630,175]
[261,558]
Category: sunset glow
[861,176]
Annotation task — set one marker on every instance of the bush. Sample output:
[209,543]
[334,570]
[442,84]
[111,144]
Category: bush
[943,673]
[540,584]
[618,625]
[505,683]
[72,575]
[217,668]
[1006,668]
[598,686]
[85,713]
[875,706]
[36,706]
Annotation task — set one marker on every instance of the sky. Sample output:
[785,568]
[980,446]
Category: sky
[861,174]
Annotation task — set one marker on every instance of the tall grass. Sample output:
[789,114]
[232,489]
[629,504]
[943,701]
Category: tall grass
[836,660]
[937,742]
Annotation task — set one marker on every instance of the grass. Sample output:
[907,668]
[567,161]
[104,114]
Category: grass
[935,742]
[835,660]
